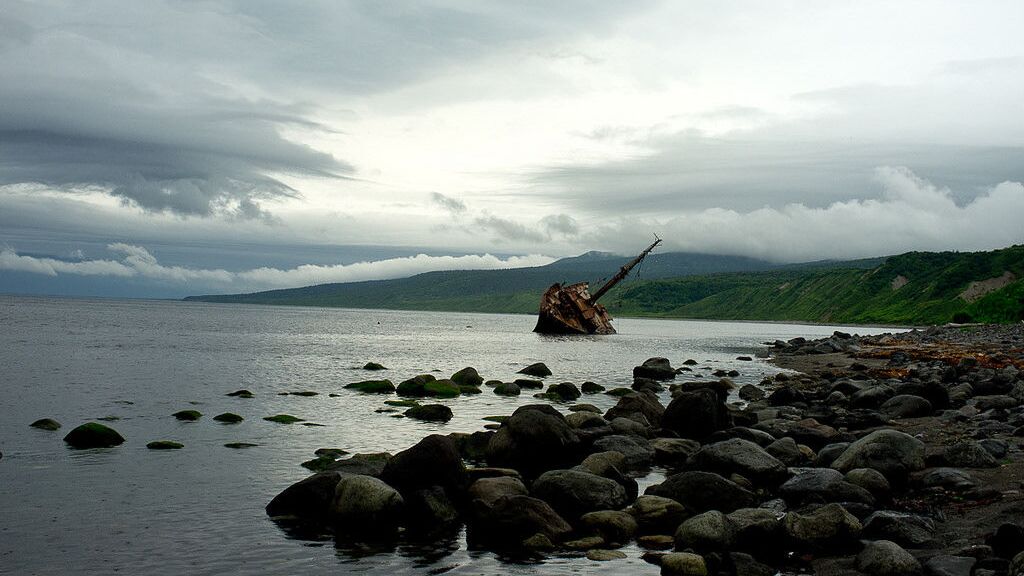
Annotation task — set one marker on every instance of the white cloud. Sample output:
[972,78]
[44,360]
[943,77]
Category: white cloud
[138,262]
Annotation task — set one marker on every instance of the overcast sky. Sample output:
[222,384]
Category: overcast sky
[226,146]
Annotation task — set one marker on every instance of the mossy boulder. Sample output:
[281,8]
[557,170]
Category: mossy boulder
[374,366]
[165,445]
[467,376]
[188,415]
[228,418]
[283,419]
[243,393]
[619,391]
[591,388]
[372,386]
[402,403]
[415,386]
[539,369]
[564,391]
[442,389]
[528,383]
[430,413]
[46,424]
[93,435]
[507,389]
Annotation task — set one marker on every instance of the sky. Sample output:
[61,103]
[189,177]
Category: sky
[167,148]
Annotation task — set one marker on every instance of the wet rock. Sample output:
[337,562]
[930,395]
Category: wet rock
[416,386]
[969,454]
[759,437]
[647,385]
[885,558]
[473,446]
[696,414]
[708,531]
[538,543]
[491,489]
[702,491]
[372,386]
[362,464]
[508,389]
[741,457]
[657,514]
[443,388]
[786,396]
[429,509]
[366,504]
[806,431]
[631,427]
[243,393]
[758,531]
[573,493]
[467,377]
[787,451]
[591,388]
[683,564]
[433,461]
[165,445]
[673,451]
[373,366]
[585,420]
[871,480]
[535,438]
[283,419]
[585,543]
[512,519]
[46,424]
[309,499]
[948,478]
[614,526]
[905,529]
[637,403]
[93,435]
[828,453]
[872,397]
[746,565]
[538,369]
[821,485]
[240,445]
[830,528]
[944,565]
[228,418]
[638,452]
[430,413]
[188,415]
[655,369]
[751,393]
[892,453]
[605,555]
[564,391]
[905,406]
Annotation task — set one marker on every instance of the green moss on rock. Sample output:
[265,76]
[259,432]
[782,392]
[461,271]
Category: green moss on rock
[228,418]
[442,389]
[415,386]
[374,366]
[283,419]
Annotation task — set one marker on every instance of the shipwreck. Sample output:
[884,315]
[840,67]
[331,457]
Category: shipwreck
[570,309]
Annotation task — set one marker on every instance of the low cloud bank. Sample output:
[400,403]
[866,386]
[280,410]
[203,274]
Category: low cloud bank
[137,262]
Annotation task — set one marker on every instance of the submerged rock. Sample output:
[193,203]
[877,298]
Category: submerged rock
[538,369]
[444,388]
[283,419]
[46,424]
[656,369]
[188,415]
[430,413]
[93,435]
[228,418]
[243,393]
[512,519]
[507,389]
[373,366]
[165,445]
[372,386]
[310,498]
[240,445]
[433,461]
[415,386]
[468,376]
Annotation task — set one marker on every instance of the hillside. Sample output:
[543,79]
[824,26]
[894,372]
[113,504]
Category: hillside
[913,288]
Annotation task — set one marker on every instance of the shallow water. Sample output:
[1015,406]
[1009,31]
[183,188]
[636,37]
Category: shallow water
[200,510]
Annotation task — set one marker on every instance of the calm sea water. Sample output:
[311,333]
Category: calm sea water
[200,510]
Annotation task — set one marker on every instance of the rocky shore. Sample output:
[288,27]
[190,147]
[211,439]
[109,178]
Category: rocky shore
[882,455]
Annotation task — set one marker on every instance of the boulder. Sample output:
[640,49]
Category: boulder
[508,389]
[758,531]
[415,386]
[430,413]
[374,366]
[444,388]
[892,453]
[614,526]
[165,445]
[905,406]
[429,509]
[709,531]
[598,555]
[787,451]
[631,427]
[610,465]
[573,493]
[637,403]
[655,369]
[563,391]
[535,438]
[696,414]
[188,415]
[467,377]
[512,519]
[366,504]
[538,369]
[228,418]
[905,529]
[872,397]
[702,491]
[746,565]
[93,435]
[591,388]
[527,383]
[372,386]
[821,485]
[308,499]
[489,490]
[969,454]
[673,451]
[948,478]
[871,480]
[683,564]
[830,528]
[885,558]
[944,565]
[1007,541]
[637,451]
[433,461]
[585,420]
[657,514]
[751,393]
[740,457]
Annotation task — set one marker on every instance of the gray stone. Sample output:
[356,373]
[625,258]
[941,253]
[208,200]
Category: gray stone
[585,420]
[905,406]
[573,493]
[512,519]
[508,389]
[696,414]
[969,454]
[751,393]
[365,503]
[905,529]
[885,558]
[943,565]
[490,489]
[787,451]
[709,531]
[533,439]
[638,451]
[892,453]
[829,528]
[741,457]
[702,491]
[683,564]
[616,527]
[638,403]
[673,451]
[821,485]
[949,478]
[655,369]
[871,480]
[657,514]
[309,498]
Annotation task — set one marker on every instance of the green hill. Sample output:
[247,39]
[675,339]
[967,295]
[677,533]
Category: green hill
[912,288]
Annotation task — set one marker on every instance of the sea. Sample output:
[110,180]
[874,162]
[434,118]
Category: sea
[200,510]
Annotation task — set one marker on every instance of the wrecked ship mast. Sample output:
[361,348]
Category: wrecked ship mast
[570,309]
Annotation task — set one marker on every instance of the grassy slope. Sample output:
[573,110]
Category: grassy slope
[934,281]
